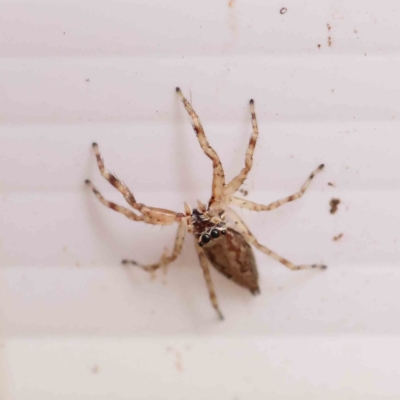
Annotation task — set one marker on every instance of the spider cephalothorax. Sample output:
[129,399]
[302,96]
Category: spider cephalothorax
[227,248]
[207,225]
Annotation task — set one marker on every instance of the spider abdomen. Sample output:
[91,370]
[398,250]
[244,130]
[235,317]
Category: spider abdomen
[234,258]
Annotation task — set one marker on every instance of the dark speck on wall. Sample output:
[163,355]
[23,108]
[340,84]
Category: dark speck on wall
[337,237]
[334,203]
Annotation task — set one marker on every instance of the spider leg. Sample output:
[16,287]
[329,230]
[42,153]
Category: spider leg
[150,218]
[260,207]
[244,230]
[207,276]
[238,180]
[165,258]
[128,213]
[218,171]
[153,215]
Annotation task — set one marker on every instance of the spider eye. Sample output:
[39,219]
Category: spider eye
[215,233]
[223,232]
[205,238]
[201,244]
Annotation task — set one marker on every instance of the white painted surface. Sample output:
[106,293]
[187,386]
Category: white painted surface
[76,72]
[228,368]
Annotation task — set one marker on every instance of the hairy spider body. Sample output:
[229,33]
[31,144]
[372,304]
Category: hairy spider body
[227,249]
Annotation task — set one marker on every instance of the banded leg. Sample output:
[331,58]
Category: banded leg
[244,230]
[207,276]
[218,171]
[165,258]
[238,181]
[128,213]
[260,207]
[153,215]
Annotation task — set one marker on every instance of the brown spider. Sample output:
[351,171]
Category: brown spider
[217,242]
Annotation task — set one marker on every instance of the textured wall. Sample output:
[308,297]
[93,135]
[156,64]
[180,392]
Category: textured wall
[324,77]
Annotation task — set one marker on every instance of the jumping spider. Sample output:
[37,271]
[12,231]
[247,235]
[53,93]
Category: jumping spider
[227,248]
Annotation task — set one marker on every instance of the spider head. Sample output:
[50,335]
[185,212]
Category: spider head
[208,225]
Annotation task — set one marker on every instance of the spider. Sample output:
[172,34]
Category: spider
[225,245]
